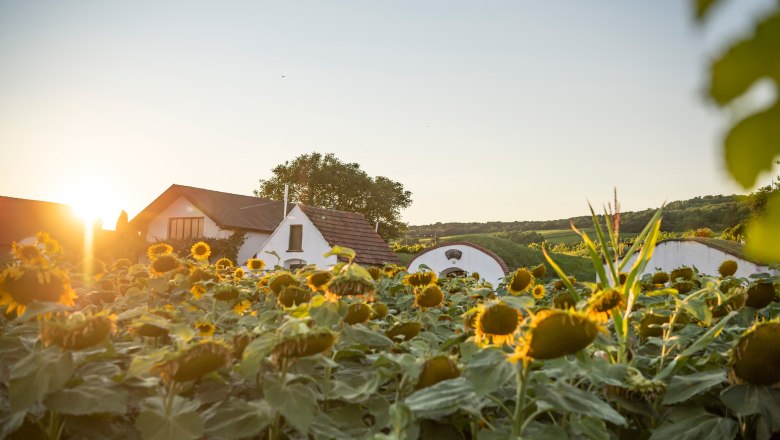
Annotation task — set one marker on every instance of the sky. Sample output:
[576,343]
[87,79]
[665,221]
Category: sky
[501,110]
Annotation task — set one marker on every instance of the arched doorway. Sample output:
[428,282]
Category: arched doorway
[452,272]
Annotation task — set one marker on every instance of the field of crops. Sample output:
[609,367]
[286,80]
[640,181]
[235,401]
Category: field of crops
[184,348]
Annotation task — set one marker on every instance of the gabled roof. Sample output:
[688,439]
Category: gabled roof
[351,229]
[229,211]
[22,218]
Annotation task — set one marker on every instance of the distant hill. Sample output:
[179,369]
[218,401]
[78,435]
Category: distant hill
[714,212]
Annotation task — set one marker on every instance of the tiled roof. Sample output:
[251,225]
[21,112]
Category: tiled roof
[22,218]
[229,211]
[490,253]
[350,229]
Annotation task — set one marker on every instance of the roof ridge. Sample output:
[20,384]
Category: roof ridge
[222,192]
[331,210]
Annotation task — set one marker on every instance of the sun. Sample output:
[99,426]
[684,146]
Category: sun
[91,199]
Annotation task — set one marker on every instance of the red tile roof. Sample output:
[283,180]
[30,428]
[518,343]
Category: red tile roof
[229,211]
[22,218]
[351,229]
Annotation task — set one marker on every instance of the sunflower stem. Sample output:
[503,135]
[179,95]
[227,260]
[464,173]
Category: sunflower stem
[521,376]
[169,398]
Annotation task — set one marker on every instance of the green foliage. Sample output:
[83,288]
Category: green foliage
[327,182]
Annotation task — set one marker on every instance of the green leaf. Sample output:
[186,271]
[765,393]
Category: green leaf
[355,389]
[589,427]
[296,402]
[488,370]
[700,344]
[36,375]
[182,422]
[340,251]
[695,424]
[763,233]
[519,302]
[562,275]
[363,335]
[88,398]
[703,7]
[237,418]
[747,400]
[36,309]
[255,352]
[324,312]
[682,388]
[699,310]
[443,398]
[566,398]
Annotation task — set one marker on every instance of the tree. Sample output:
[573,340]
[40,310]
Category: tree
[325,181]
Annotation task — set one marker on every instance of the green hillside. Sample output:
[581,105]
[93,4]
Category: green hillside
[515,255]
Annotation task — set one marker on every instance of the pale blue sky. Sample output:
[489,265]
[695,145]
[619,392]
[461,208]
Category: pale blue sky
[484,110]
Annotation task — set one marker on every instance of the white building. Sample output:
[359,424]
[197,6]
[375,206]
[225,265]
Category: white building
[456,258]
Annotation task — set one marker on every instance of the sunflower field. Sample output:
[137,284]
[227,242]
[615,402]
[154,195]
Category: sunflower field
[182,347]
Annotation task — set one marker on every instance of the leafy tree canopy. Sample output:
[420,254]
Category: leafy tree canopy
[325,181]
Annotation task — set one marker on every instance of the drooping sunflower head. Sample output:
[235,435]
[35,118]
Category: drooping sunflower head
[224,264]
[199,274]
[475,276]
[555,333]
[564,301]
[560,285]
[281,280]
[255,264]
[121,264]
[660,277]
[496,322]
[77,331]
[727,268]
[760,294]
[352,280]
[163,264]
[539,271]
[378,310]
[205,328]
[357,313]
[404,331]
[201,251]
[196,361]
[539,291]
[318,279]
[755,358]
[159,249]
[21,285]
[735,301]
[28,253]
[376,273]
[601,305]
[429,296]
[637,387]
[293,296]
[197,290]
[522,280]
[392,269]
[686,273]
[50,246]
[437,369]
[315,341]
[684,286]
[226,292]
[420,279]
[652,323]
[151,325]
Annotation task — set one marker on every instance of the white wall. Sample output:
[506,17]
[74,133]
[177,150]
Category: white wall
[253,242]
[314,244]
[158,227]
[472,260]
[670,255]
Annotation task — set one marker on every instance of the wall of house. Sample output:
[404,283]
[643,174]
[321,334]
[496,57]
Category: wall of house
[253,242]
[313,243]
[158,227]
[471,260]
[670,255]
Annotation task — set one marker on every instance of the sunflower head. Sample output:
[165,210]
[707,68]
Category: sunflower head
[539,271]
[121,264]
[475,276]
[77,331]
[201,251]
[197,290]
[352,280]
[293,296]
[50,246]
[522,280]
[684,286]
[238,273]
[392,269]
[318,279]
[555,333]
[683,272]
[637,387]
[601,305]
[375,272]
[429,296]
[205,328]
[660,277]
[223,264]
[378,310]
[560,285]
[242,306]
[198,274]
[21,285]
[496,322]
[280,281]
[28,253]
[727,268]
[420,279]
[760,294]
[652,323]
[755,358]
[196,361]
[404,331]
[151,325]
[539,291]
[735,301]
[315,341]
[159,249]
[255,264]
[163,264]
[357,313]
[226,292]
[437,369]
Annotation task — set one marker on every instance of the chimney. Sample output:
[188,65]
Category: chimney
[376,228]
[286,195]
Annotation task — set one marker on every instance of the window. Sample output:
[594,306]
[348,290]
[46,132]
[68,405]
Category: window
[296,238]
[185,227]
[294,263]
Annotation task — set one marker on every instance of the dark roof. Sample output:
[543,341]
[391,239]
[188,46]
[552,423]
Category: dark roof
[22,218]
[229,211]
[351,229]
[730,247]
[490,253]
